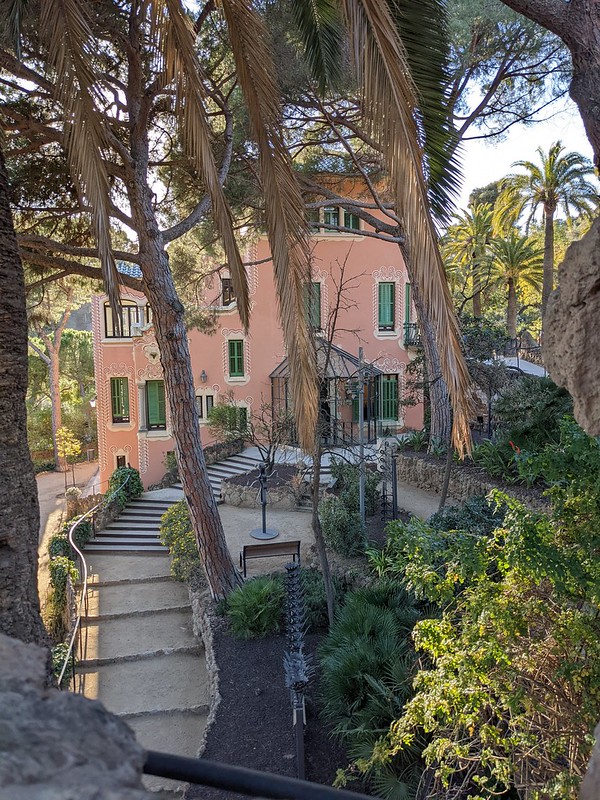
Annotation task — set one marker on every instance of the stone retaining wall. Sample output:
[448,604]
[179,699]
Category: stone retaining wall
[279,498]
[429,476]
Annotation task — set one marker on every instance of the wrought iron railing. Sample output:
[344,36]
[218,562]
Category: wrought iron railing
[240,779]
[82,609]
[412,336]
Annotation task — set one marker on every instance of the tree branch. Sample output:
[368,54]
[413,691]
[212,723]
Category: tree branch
[551,14]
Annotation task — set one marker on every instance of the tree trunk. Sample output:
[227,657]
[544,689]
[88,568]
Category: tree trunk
[548,278]
[19,510]
[54,379]
[172,340]
[441,417]
[511,310]
[476,291]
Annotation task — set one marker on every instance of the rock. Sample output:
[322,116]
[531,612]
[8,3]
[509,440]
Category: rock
[571,331]
[58,745]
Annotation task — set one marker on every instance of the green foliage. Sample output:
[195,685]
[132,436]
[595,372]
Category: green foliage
[368,665]
[61,568]
[82,533]
[417,440]
[227,422]
[496,458]
[529,412]
[59,546]
[58,654]
[347,478]
[41,465]
[315,599]
[170,462]
[177,534]
[342,528]
[256,608]
[512,692]
[132,489]
[478,515]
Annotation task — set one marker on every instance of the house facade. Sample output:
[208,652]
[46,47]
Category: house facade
[360,280]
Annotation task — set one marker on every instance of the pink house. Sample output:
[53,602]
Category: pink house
[375,313]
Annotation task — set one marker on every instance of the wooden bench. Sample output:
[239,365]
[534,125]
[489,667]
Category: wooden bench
[269,549]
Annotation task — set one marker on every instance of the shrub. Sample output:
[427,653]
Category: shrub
[342,528]
[529,412]
[497,459]
[61,568]
[315,599]
[347,484]
[59,546]
[58,654]
[368,665]
[132,489]
[82,533]
[42,465]
[256,608]
[417,440]
[477,515]
[177,534]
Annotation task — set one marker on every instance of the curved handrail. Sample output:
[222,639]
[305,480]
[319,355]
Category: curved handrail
[79,520]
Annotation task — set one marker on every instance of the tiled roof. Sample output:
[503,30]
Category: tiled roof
[131,270]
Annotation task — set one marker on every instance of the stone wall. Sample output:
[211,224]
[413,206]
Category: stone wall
[429,476]
[58,745]
[279,498]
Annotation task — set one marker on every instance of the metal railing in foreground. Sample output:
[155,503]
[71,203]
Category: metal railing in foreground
[240,779]
[83,574]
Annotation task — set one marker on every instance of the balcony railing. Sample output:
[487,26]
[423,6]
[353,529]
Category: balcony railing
[412,336]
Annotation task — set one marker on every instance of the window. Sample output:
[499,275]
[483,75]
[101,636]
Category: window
[236,358]
[155,405]
[314,220]
[129,313]
[351,221]
[119,398]
[227,293]
[312,304]
[407,318]
[121,462]
[149,316]
[389,397]
[204,403]
[386,306]
[331,215]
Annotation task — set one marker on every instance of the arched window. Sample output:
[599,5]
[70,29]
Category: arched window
[130,314]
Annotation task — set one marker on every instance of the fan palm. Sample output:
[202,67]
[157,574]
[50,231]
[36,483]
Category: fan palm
[558,180]
[516,262]
[467,247]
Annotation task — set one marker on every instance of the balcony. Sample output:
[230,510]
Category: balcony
[412,336]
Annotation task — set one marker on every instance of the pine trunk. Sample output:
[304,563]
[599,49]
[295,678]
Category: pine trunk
[172,340]
[548,279]
[318,534]
[19,510]
[476,291]
[54,379]
[511,310]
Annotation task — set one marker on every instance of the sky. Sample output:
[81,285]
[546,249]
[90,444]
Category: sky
[485,160]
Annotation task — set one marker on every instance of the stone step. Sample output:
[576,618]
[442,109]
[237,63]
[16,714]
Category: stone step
[132,513]
[119,598]
[122,637]
[176,680]
[126,547]
[135,567]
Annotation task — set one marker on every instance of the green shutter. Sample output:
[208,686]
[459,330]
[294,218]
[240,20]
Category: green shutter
[407,304]
[155,397]
[119,393]
[312,304]
[351,221]
[387,306]
[389,397]
[236,358]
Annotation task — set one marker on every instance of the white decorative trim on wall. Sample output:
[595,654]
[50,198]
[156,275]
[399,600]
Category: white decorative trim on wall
[143,454]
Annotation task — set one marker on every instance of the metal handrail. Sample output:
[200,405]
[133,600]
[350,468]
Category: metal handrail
[83,598]
[240,779]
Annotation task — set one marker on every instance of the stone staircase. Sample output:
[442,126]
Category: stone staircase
[235,465]
[135,530]
[142,660]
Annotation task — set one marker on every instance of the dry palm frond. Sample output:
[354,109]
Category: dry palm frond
[390,107]
[175,36]
[65,27]
[284,206]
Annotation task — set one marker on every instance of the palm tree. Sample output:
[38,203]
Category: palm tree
[558,180]
[467,247]
[516,262]
[159,57]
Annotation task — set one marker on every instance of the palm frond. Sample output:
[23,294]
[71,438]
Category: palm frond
[390,107]
[321,30]
[11,16]
[284,206]
[175,36]
[65,27]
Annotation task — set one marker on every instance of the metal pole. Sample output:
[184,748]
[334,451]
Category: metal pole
[394,488]
[361,437]
[263,496]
